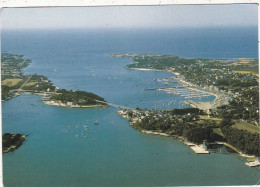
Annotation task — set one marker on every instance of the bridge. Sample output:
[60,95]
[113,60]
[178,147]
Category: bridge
[120,107]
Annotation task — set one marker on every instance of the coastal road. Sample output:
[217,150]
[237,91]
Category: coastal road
[24,83]
[115,105]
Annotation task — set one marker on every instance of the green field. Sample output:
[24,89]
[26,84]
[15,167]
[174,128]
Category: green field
[205,117]
[218,131]
[11,82]
[246,126]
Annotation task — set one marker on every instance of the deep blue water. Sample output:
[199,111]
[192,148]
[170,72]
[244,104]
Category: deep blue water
[201,42]
[112,153]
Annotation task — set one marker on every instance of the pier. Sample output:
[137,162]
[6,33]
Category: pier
[198,149]
[163,88]
[253,163]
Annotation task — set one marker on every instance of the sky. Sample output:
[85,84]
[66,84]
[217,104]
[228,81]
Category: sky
[175,16]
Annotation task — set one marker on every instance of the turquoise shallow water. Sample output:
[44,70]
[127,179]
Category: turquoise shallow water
[112,153]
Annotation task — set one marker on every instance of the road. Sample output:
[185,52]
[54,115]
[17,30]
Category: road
[24,83]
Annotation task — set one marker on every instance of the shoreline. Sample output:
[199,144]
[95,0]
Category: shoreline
[198,149]
[143,69]
[8,138]
[49,89]
[203,105]
[58,103]
[155,133]
[146,69]
[55,103]
[221,98]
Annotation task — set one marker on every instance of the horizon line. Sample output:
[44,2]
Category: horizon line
[132,28]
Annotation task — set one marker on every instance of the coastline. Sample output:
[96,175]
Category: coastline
[58,103]
[8,139]
[41,85]
[220,99]
[199,149]
[155,133]
[144,69]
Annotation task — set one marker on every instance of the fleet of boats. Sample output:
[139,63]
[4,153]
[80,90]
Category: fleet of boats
[79,129]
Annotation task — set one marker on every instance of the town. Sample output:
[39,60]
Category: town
[231,119]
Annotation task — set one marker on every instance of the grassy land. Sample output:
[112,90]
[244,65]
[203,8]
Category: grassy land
[246,126]
[11,82]
[218,131]
[239,125]
[32,83]
[247,72]
[205,117]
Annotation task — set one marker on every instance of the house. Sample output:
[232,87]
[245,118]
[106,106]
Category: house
[204,145]
[69,103]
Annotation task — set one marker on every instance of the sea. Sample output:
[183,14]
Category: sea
[59,152]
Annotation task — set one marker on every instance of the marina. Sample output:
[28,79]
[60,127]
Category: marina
[61,152]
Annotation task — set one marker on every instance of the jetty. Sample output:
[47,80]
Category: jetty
[198,149]
[163,88]
[253,163]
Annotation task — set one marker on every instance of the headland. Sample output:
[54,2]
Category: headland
[14,83]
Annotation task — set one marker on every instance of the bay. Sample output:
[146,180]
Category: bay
[112,153]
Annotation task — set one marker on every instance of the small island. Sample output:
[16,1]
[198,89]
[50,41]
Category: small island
[12,142]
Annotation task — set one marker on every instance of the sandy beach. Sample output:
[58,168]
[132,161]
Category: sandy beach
[56,103]
[155,133]
[220,99]
[145,69]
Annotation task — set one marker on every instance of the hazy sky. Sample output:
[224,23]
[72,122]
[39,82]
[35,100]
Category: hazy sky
[130,17]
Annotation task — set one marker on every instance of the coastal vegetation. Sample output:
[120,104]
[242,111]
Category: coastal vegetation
[12,142]
[178,122]
[6,94]
[76,97]
[11,65]
[39,83]
[235,122]
[244,105]
[14,82]
[243,140]
[219,73]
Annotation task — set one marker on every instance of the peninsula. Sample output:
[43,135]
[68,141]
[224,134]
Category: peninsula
[14,83]
[231,119]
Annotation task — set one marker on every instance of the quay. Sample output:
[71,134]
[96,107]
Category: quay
[163,88]
[253,163]
[199,149]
